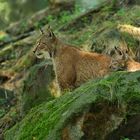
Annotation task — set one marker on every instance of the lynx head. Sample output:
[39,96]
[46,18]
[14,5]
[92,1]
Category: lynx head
[119,59]
[45,45]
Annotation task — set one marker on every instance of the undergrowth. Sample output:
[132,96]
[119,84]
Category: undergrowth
[46,120]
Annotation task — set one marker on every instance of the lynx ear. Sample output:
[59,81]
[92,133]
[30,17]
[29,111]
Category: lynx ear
[50,32]
[49,29]
[41,31]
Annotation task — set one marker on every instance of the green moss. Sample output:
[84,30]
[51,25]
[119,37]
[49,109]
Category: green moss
[46,120]
[7,50]
[2,111]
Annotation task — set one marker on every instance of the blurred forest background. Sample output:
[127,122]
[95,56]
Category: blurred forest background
[103,109]
[12,11]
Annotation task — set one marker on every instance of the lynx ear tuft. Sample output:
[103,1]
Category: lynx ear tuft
[49,27]
[116,48]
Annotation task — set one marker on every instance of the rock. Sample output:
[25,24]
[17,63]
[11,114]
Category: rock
[35,90]
[93,111]
[126,130]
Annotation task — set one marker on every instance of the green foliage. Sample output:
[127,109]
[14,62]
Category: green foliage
[121,12]
[50,18]
[23,25]
[126,139]
[12,11]
[2,102]
[41,23]
[65,17]
[47,120]
[83,37]
[2,112]
[4,36]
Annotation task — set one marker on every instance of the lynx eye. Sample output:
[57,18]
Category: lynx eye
[126,51]
[120,53]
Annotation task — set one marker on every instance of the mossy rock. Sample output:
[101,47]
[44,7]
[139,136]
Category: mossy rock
[90,112]
[35,89]
[127,131]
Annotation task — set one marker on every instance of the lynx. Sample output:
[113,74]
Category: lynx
[135,32]
[122,61]
[72,66]
[122,58]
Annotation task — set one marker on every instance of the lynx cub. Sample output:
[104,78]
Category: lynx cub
[121,60]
